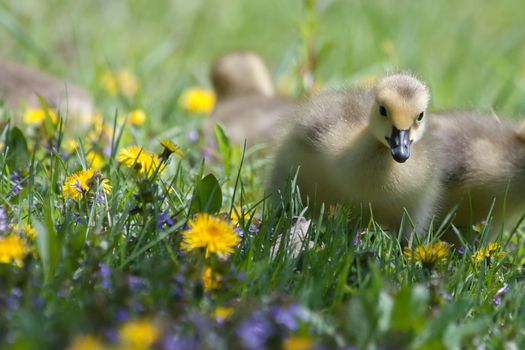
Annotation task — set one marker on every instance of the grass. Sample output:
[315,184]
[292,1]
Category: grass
[102,264]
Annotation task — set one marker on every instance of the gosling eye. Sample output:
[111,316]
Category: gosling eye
[382,111]
[420,117]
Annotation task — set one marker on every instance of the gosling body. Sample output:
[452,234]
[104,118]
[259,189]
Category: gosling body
[484,168]
[21,85]
[366,147]
[247,105]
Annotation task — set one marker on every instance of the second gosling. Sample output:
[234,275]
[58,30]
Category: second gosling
[247,105]
[366,147]
[484,171]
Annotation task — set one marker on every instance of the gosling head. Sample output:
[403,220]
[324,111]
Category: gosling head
[397,118]
[241,73]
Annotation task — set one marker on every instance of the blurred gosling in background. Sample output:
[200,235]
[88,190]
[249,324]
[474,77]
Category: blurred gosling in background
[484,164]
[20,85]
[247,105]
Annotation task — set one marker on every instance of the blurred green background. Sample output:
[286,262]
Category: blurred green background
[472,52]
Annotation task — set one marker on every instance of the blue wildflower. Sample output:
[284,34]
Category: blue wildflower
[253,228]
[135,283]
[122,315]
[255,330]
[500,293]
[78,186]
[105,275]
[3,219]
[15,182]
[164,221]
[193,136]
[76,218]
[285,317]
[100,197]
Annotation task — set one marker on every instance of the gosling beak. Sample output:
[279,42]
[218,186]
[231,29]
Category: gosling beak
[399,143]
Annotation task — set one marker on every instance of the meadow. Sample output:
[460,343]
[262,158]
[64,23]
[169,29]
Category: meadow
[139,233]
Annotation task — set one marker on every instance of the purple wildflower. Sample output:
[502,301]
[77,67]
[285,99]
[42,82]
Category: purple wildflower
[253,228]
[446,296]
[285,317]
[100,197]
[164,220]
[290,315]
[15,182]
[136,306]
[177,342]
[37,302]
[112,335]
[461,250]
[78,186]
[239,231]
[106,151]
[13,299]
[122,315]
[255,330]
[3,219]
[193,136]
[500,293]
[105,274]
[135,283]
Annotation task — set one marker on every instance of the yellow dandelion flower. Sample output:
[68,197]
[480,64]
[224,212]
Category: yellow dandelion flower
[210,280]
[71,145]
[222,313]
[95,160]
[137,117]
[36,116]
[491,250]
[428,254]
[211,233]
[81,182]
[140,159]
[25,230]
[238,219]
[12,249]
[86,342]
[100,132]
[127,83]
[109,82]
[197,100]
[138,334]
[298,343]
[170,147]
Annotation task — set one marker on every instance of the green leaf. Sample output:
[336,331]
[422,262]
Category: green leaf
[49,125]
[47,244]
[208,196]
[413,298]
[455,334]
[225,148]
[18,154]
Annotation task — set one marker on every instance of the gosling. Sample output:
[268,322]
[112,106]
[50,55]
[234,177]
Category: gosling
[484,168]
[366,147]
[247,106]
[21,85]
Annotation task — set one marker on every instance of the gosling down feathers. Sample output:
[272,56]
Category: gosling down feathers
[366,147]
[247,106]
[484,166]
[21,84]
